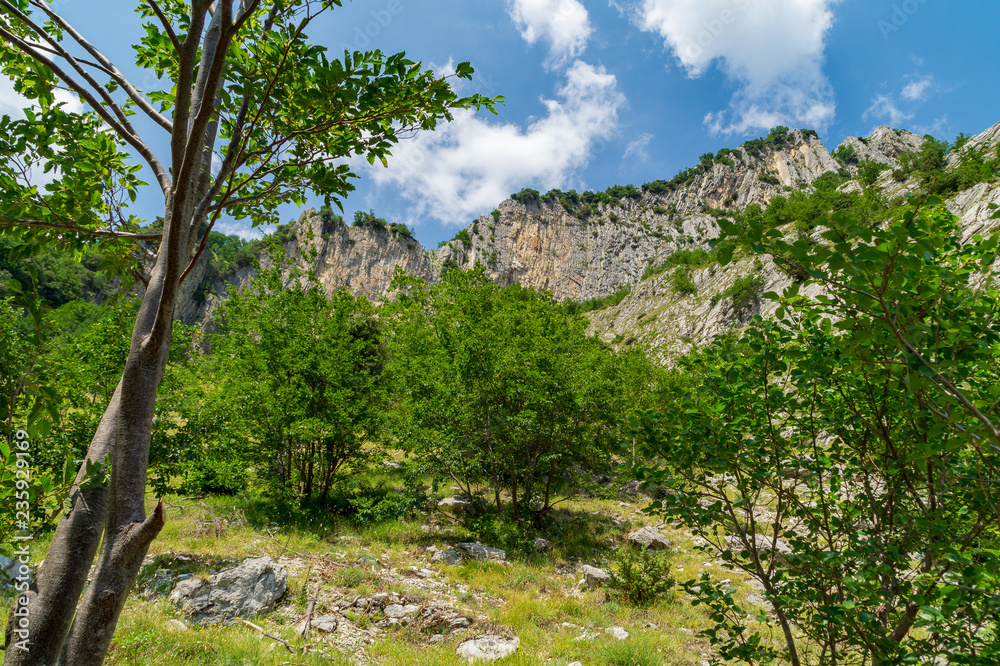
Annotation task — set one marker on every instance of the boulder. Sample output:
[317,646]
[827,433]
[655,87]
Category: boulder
[477,551]
[594,578]
[648,538]
[540,544]
[487,648]
[443,620]
[456,503]
[245,591]
[450,556]
[326,623]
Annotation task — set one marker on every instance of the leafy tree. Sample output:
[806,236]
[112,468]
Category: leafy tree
[846,456]
[499,386]
[304,374]
[240,81]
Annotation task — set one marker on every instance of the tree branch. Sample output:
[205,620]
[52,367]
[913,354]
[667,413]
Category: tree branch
[165,22]
[109,67]
[161,174]
[100,233]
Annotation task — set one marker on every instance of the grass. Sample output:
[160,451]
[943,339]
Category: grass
[526,597]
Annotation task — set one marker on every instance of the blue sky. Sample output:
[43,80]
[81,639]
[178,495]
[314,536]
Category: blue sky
[605,92]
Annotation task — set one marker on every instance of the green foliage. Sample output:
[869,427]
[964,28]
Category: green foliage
[857,445]
[401,229]
[846,155]
[692,259]
[298,378]
[369,219]
[641,576]
[682,282]
[869,172]
[500,387]
[526,197]
[743,292]
[464,238]
[495,215]
[609,301]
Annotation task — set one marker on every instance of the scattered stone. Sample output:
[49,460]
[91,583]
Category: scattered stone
[617,632]
[487,648]
[593,578]
[450,556]
[540,544]
[435,639]
[690,632]
[395,611]
[762,543]
[326,623]
[477,551]
[391,464]
[456,503]
[443,620]
[425,573]
[175,626]
[648,538]
[576,663]
[245,591]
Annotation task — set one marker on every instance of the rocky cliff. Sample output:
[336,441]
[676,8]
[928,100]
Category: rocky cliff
[590,246]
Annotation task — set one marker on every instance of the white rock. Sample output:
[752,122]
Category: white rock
[450,556]
[175,625]
[326,623]
[617,632]
[648,538]
[396,611]
[477,551]
[593,578]
[487,648]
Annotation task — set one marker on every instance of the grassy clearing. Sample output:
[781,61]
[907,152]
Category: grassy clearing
[528,597]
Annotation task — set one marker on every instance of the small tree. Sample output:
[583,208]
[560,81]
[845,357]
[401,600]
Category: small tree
[500,386]
[240,85]
[304,373]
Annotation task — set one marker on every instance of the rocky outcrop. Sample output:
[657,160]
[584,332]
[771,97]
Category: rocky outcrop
[885,145]
[246,591]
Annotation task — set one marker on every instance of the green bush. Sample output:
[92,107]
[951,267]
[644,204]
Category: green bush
[641,577]
[682,282]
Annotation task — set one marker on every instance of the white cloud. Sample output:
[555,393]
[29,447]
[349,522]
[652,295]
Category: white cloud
[637,148]
[917,89]
[464,168]
[564,24]
[771,49]
[884,107]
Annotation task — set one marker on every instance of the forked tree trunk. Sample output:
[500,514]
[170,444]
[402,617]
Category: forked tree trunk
[56,632]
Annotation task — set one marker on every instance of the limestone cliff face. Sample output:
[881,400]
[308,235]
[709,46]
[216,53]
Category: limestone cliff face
[541,243]
[885,145]
[362,259]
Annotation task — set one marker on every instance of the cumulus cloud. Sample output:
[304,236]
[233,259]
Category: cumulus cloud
[771,49]
[564,24]
[465,167]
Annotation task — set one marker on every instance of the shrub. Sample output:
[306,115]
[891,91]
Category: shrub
[465,238]
[362,219]
[525,197]
[641,576]
[682,282]
[846,155]
[401,229]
